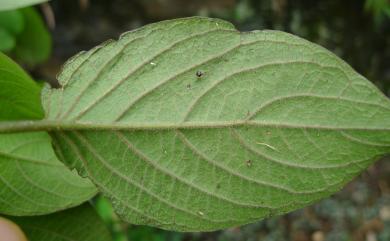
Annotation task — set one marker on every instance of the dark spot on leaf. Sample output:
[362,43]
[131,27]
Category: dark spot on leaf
[199,73]
[249,163]
[188,86]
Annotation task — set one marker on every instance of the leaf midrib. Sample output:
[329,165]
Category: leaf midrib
[53,125]
[45,125]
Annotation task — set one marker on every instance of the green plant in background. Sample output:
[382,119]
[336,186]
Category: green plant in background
[12,4]
[107,213]
[80,223]
[11,23]
[379,9]
[24,35]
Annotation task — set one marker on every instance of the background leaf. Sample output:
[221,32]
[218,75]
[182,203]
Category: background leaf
[77,224]
[12,21]
[34,42]
[190,125]
[7,41]
[25,36]
[19,94]
[32,180]
[14,4]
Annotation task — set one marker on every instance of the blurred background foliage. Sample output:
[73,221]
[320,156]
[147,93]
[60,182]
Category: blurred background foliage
[24,36]
[42,38]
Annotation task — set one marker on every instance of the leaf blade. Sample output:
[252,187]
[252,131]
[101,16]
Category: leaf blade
[32,180]
[72,224]
[20,94]
[247,138]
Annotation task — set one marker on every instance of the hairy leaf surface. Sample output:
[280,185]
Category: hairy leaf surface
[77,224]
[32,179]
[191,125]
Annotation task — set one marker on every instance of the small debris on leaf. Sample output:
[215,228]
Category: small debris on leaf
[199,73]
[249,163]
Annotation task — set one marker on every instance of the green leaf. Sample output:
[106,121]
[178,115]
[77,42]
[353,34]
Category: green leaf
[7,40]
[34,42]
[191,125]
[14,4]
[78,224]
[32,180]
[12,21]
[19,94]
